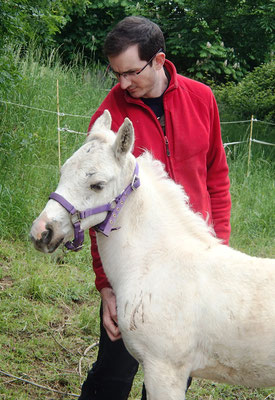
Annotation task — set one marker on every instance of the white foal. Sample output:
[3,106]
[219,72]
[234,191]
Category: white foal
[187,305]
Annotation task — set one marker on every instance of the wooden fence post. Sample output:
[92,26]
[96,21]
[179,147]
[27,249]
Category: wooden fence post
[58,125]
[249,144]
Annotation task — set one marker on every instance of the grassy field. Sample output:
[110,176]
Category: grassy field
[49,304]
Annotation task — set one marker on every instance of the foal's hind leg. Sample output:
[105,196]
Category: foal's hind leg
[164,382]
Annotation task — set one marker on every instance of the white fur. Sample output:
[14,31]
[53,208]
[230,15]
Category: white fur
[187,305]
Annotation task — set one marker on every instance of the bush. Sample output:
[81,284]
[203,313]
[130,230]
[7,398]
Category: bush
[254,95]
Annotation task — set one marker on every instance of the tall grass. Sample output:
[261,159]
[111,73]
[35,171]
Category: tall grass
[28,137]
[49,305]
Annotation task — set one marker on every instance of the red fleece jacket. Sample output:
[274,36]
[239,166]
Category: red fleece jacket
[191,149]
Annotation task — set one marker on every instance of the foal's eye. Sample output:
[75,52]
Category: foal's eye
[97,186]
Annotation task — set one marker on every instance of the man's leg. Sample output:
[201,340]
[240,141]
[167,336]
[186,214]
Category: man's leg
[112,375]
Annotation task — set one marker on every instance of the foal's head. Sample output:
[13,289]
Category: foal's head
[94,175]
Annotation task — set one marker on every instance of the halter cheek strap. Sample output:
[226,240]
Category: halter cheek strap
[113,209]
[76,244]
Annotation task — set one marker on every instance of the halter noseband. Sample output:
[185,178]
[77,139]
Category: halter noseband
[113,209]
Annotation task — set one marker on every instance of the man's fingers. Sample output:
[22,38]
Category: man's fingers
[111,329]
[110,314]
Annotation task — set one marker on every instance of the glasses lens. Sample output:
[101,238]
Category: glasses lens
[117,75]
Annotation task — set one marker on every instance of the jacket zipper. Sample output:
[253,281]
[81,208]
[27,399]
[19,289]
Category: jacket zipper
[167,146]
[165,139]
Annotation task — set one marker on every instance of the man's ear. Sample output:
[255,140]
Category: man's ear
[125,138]
[159,60]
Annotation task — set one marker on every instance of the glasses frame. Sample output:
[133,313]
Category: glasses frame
[134,73]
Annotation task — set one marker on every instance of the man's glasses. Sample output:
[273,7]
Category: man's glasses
[131,74]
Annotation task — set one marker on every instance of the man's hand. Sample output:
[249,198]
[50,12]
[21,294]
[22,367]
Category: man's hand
[109,313]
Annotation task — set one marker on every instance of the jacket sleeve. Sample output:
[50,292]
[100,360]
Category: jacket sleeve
[101,280]
[218,183]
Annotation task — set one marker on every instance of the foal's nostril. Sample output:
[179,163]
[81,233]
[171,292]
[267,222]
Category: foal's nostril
[47,236]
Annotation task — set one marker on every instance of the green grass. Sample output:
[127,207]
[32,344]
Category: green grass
[252,216]
[49,304]
[49,316]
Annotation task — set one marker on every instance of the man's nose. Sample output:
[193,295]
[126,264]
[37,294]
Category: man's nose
[124,83]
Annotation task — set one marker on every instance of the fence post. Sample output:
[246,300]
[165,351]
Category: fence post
[58,124]
[249,144]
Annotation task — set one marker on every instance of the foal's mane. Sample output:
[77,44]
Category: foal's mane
[178,200]
[173,193]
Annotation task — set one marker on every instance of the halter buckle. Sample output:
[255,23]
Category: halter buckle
[76,217]
[135,178]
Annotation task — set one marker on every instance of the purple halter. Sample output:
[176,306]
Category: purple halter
[113,209]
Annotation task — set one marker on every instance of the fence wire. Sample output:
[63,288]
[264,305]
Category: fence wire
[68,130]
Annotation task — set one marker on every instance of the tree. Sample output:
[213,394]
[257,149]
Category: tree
[253,95]
[25,21]
[85,31]
[207,39]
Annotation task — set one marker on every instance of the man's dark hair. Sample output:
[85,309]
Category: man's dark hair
[131,31]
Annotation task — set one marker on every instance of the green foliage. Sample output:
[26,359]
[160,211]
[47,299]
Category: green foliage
[202,42]
[85,32]
[29,21]
[195,41]
[9,74]
[208,40]
[34,20]
[254,95]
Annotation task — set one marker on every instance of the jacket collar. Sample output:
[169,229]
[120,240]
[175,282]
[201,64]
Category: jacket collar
[173,74]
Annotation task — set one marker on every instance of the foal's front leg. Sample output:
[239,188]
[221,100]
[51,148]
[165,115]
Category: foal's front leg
[164,382]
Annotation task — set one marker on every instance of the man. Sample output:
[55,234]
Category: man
[177,120]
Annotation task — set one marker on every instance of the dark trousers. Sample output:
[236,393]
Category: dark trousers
[112,375]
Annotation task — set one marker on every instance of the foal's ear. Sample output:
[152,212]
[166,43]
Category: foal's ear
[104,121]
[125,138]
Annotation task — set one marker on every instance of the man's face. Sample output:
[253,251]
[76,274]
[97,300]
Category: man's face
[142,85]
